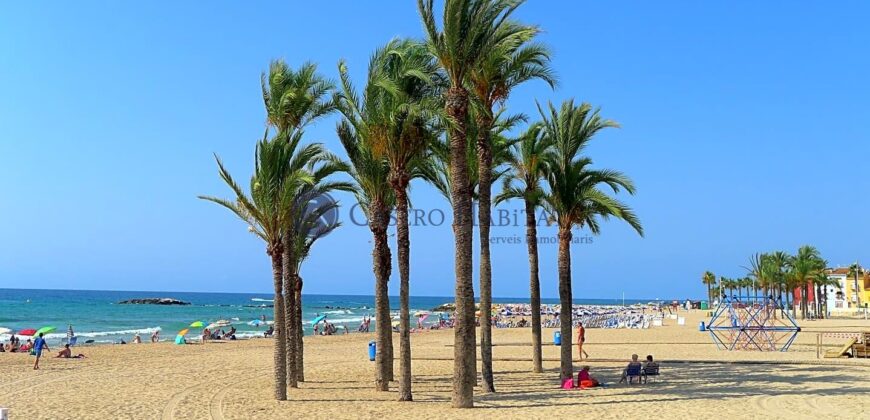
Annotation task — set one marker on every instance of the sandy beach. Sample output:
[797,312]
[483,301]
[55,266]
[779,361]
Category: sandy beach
[233,380]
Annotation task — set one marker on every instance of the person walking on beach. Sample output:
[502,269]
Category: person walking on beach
[38,346]
[581,338]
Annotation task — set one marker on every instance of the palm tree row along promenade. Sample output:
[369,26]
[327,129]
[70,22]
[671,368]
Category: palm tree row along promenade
[782,276]
[430,109]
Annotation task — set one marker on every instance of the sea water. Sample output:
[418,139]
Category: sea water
[96,315]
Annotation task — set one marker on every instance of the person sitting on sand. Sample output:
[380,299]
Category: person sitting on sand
[66,353]
[268,333]
[137,339]
[633,365]
[584,380]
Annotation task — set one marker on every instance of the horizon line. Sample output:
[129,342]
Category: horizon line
[322,294]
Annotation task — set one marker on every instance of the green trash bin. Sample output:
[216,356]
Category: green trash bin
[704,305]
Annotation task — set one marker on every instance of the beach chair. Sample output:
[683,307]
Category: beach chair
[73,340]
[633,373]
[650,372]
[842,351]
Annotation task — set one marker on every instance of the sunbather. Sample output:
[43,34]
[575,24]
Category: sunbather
[66,353]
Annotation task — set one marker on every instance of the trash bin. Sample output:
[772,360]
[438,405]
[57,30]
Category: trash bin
[557,338]
[705,305]
[701,327]
[373,348]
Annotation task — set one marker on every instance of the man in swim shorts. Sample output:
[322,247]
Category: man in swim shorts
[38,346]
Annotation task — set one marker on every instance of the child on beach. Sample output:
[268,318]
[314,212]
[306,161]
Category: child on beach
[584,380]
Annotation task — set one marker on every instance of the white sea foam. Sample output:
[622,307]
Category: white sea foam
[339,312]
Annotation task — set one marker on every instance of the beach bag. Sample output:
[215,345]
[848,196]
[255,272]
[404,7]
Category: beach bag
[568,383]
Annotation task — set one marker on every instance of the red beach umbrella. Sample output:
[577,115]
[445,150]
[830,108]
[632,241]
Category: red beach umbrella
[29,331]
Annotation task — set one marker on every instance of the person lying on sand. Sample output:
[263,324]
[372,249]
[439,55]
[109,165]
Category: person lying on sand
[66,353]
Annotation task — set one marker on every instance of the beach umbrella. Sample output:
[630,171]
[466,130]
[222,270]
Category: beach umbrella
[197,324]
[179,339]
[44,330]
[256,323]
[69,333]
[421,313]
[5,330]
[28,331]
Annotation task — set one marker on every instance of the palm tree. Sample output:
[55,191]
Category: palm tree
[854,271]
[514,61]
[294,99]
[821,281]
[403,86]
[267,210]
[727,284]
[805,265]
[779,263]
[576,197]
[709,279]
[469,30]
[523,181]
[364,121]
[307,227]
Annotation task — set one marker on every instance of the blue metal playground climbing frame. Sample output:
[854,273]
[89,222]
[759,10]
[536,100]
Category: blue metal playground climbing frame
[752,323]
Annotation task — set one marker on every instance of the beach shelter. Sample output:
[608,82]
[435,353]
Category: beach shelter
[196,324]
[179,339]
[27,332]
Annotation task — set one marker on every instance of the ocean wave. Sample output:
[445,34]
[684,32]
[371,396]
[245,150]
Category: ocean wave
[340,320]
[261,300]
[94,334]
[339,312]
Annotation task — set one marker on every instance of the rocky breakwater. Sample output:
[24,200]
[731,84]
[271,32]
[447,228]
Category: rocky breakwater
[153,301]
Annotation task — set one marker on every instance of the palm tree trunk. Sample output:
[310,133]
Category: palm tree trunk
[300,332]
[565,299]
[290,315]
[381,263]
[484,213]
[534,287]
[404,245]
[464,346]
[280,357]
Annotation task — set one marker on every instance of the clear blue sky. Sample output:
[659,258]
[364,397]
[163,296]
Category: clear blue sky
[744,126]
